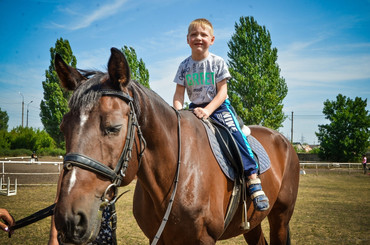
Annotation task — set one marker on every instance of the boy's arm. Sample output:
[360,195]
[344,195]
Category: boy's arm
[215,103]
[178,97]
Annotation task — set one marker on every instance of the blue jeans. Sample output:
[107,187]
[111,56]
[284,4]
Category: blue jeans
[225,115]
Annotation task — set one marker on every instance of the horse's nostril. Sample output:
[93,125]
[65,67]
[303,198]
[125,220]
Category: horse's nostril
[80,224]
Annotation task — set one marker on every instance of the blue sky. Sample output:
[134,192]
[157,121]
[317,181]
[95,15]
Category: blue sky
[323,46]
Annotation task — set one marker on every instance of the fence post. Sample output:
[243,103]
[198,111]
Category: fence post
[3,176]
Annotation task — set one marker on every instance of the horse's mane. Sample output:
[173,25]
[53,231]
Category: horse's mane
[88,93]
[139,90]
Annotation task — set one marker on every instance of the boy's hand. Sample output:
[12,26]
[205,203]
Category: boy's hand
[201,113]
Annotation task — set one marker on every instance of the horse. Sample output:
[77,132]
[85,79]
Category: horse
[117,131]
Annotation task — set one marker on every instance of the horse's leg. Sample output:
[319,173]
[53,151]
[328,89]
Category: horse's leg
[255,236]
[282,210]
[279,218]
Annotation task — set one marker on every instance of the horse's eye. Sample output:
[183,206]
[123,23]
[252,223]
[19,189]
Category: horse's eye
[113,130]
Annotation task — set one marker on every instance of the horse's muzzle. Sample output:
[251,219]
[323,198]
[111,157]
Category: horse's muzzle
[74,228]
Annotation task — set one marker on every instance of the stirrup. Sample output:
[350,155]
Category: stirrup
[260,200]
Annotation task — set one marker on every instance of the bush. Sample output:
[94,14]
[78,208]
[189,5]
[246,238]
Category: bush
[51,152]
[23,141]
[15,152]
[4,139]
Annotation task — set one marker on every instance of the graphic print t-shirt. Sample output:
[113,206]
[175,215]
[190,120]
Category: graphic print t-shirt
[200,77]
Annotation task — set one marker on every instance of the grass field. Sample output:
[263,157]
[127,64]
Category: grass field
[332,208]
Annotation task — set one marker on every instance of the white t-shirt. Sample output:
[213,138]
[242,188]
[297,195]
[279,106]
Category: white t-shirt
[200,77]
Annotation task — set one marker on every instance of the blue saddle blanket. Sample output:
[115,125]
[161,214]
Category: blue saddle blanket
[229,171]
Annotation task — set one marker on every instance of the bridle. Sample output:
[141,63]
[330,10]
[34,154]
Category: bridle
[115,176]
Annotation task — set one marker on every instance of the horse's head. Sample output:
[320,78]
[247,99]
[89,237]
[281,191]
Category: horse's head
[100,134]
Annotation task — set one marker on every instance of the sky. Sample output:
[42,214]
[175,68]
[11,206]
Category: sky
[323,47]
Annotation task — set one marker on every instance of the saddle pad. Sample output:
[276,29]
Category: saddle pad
[227,169]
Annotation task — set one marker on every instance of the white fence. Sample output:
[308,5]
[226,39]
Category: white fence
[316,165]
[329,165]
[5,183]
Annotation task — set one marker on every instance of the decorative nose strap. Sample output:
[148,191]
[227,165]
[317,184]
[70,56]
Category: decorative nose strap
[79,160]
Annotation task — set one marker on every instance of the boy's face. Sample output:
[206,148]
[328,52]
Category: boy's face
[200,39]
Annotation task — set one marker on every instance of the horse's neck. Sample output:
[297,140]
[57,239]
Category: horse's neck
[158,122]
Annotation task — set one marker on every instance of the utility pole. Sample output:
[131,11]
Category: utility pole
[27,112]
[22,108]
[291,132]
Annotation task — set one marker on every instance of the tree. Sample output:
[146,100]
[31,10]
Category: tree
[22,138]
[4,119]
[4,140]
[256,89]
[137,67]
[55,103]
[28,138]
[347,135]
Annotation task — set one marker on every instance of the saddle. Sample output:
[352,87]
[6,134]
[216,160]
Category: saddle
[229,148]
[228,156]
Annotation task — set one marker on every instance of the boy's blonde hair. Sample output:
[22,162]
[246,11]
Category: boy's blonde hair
[201,22]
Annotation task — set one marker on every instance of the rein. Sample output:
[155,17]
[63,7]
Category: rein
[169,207]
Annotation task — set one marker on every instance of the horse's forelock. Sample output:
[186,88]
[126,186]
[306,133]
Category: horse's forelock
[87,93]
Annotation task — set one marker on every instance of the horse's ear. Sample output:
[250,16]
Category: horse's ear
[118,68]
[69,77]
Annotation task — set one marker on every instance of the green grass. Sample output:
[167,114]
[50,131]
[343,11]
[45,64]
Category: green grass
[332,208]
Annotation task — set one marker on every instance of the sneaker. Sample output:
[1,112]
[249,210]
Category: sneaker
[260,200]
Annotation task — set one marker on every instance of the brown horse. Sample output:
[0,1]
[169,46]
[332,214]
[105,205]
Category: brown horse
[101,132]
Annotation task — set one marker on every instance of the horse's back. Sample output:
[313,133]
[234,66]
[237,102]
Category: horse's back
[283,157]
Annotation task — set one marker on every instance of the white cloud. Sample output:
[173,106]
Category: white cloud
[83,21]
[311,62]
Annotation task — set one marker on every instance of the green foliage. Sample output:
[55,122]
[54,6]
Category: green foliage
[347,135]
[55,102]
[256,89]
[4,119]
[22,138]
[137,67]
[4,139]
[15,152]
[43,140]
[22,141]
[315,150]
[51,152]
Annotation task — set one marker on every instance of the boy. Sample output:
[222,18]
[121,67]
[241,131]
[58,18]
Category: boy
[205,75]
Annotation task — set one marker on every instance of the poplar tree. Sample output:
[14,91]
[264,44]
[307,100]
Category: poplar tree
[4,119]
[137,66]
[55,102]
[256,89]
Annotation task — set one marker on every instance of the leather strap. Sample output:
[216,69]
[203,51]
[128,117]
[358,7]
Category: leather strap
[82,161]
[169,207]
[39,215]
